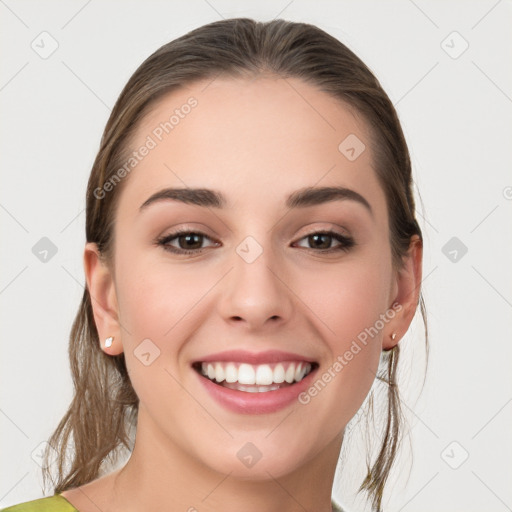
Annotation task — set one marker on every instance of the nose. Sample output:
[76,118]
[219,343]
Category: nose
[256,293]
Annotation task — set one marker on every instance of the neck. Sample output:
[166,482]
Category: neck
[162,476]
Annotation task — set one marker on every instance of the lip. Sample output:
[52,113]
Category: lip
[243,402]
[243,356]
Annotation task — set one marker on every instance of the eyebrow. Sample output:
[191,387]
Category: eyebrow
[207,198]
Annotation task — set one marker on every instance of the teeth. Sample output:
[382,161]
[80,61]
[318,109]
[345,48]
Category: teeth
[290,374]
[298,373]
[279,374]
[219,373]
[252,389]
[247,375]
[264,375]
[231,373]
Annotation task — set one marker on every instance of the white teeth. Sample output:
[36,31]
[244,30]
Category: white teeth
[231,373]
[219,373]
[298,371]
[264,375]
[252,389]
[290,374]
[248,375]
[279,374]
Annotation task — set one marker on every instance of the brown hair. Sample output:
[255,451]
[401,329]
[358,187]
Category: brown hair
[105,404]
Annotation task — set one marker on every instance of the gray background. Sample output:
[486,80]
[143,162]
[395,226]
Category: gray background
[455,107]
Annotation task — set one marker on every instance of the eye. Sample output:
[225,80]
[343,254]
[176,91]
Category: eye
[322,240]
[189,242]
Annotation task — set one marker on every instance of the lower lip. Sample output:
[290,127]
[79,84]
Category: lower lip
[243,402]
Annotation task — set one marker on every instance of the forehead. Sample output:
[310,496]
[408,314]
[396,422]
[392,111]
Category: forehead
[251,138]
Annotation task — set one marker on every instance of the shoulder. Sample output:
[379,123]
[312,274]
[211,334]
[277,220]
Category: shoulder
[56,503]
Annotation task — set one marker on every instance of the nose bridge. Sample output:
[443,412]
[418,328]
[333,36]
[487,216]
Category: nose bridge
[255,291]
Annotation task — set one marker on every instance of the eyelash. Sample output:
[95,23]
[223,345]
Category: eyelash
[346,242]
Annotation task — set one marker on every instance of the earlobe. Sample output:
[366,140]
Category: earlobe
[100,284]
[390,341]
[406,293]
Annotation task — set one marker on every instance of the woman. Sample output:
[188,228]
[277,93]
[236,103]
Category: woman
[252,262]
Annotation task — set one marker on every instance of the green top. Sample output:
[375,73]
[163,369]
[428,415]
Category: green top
[58,503]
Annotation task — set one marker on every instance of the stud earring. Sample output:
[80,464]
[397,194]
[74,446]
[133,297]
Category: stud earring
[393,336]
[108,341]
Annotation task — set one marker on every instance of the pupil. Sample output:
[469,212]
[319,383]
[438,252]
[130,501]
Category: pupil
[316,237]
[190,238]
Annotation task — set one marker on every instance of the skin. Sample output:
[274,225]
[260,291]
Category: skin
[256,141]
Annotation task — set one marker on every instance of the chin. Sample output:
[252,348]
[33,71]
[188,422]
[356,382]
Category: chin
[266,468]
[255,457]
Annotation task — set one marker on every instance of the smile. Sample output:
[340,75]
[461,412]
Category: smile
[253,378]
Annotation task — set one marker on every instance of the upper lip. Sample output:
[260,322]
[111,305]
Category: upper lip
[243,356]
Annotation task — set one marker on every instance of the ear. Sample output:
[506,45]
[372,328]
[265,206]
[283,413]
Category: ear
[406,293]
[100,284]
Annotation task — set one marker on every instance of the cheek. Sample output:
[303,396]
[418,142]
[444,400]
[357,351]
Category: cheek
[155,302]
[347,298]
[349,302]
[159,304]
[153,297]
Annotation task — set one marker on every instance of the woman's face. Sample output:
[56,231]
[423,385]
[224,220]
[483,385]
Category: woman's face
[262,289]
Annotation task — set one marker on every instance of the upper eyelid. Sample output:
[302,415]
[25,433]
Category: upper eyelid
[330,226]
